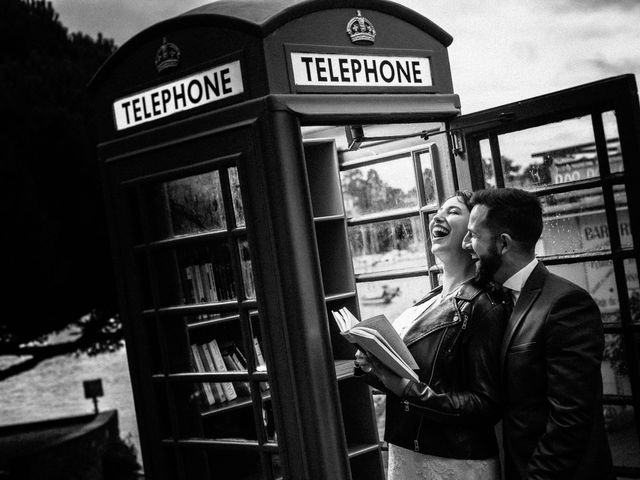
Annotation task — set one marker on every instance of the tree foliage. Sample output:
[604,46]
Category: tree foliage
[371,194]
[56,262]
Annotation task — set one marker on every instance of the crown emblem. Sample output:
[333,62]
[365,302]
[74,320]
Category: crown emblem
[361,30]
[167,56]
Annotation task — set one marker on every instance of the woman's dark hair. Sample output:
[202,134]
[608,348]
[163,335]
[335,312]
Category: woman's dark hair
[513,211]
[465,197]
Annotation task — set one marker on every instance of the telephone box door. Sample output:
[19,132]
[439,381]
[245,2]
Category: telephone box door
[577,150]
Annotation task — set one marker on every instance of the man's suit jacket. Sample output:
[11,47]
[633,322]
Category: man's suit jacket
[553,426]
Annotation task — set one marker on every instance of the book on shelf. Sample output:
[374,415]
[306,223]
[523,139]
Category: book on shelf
[209,365]
[200,298]
[261,365]
[211,282]
[233,364]
[188,285]
[229,389]
[377,337]
[199,366]
[247,271]
[218,362]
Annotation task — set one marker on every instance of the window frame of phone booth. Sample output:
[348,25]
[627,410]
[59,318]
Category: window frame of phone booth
[477,140]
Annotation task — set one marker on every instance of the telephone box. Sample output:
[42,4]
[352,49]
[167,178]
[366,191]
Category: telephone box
[267,163]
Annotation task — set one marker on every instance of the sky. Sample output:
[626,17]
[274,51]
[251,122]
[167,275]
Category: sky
[502,50]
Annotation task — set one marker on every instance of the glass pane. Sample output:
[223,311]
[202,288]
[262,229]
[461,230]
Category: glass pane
[206,274]
[391,245]
[194,274]
[612,136]
[189,205]
[380,187]
[598,279]
[549,154]
[259,357]
[487,164]
[391,297]
[247,271]
[574,222]
[622,212]
[633,287]
[574,272]
[428,177]
[577,222]
[238,208]
[623,438]
[619,419]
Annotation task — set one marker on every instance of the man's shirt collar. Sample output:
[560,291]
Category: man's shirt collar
[516,281]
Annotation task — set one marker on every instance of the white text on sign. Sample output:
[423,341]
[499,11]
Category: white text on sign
[193,91]
[322,69]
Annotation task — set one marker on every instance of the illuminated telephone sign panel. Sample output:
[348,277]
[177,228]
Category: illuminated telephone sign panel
[220,55]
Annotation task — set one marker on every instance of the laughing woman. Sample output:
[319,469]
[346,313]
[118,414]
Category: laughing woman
[442,427]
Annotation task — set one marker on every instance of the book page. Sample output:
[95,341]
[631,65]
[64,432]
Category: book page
[372,345]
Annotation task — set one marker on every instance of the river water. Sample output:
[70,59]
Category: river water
[54,389]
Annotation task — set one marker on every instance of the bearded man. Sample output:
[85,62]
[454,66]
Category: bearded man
[553,425]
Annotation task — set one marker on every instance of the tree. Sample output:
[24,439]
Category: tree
[56,263]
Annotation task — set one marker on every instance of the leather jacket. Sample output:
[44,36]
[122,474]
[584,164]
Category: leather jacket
[452,411]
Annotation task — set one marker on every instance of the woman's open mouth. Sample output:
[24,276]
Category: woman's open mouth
[438,231]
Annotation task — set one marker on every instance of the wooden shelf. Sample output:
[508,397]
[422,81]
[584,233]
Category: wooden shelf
[232,405]
[330,218]
[362,449]
[340,296]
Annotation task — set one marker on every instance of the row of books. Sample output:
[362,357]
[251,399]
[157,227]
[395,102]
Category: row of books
[212,357]
[207,283]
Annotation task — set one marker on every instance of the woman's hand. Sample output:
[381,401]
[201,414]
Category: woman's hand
[369,364]
[362,361]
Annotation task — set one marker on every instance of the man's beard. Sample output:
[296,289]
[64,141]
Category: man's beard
[488,265]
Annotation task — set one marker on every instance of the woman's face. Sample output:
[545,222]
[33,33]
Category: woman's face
[448,227]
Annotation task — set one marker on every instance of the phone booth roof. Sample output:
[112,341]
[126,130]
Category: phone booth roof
[231,51]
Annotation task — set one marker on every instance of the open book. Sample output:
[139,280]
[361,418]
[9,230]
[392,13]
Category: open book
[377,337]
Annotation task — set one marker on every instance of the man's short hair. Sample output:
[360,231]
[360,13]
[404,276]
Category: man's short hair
[513,211]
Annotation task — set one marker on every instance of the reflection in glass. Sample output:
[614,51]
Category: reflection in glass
[633,287]
[269,424]
[574,222]
[383,186]
[487,164]
[597,278]
[195,204]
[611,134]
[391,245]
[549,154]
[428,177]
[259,358]
[619,419]
[238,208]
[247,271]
[622,213]
[623,438]
[391,297]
